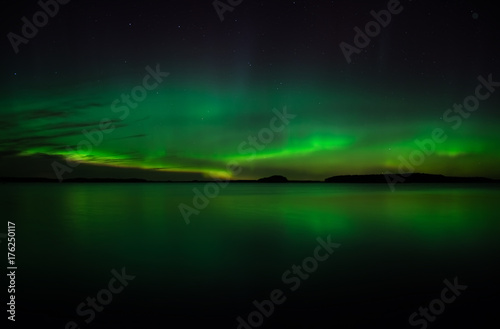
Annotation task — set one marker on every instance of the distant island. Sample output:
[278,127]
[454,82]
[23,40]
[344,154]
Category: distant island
[273,179]
[358,179]
[413,178]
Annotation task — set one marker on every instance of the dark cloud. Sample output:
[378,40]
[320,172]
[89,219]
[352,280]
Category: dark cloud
[71,125]
[62,111]
[40,165]
[128,137]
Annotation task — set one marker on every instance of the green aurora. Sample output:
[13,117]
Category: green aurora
[225,79]
[198,130]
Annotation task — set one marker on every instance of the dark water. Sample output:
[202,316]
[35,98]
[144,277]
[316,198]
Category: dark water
[396,249]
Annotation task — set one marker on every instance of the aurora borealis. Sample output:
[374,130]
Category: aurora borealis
[225,78]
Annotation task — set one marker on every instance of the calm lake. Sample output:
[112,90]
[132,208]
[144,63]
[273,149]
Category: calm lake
[394,251]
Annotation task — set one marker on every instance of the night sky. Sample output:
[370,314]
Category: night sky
[219,82]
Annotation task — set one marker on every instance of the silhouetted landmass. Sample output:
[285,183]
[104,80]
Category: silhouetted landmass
[413,178]
[365,179]
[273,179]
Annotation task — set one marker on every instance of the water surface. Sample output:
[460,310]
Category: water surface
[395,251]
